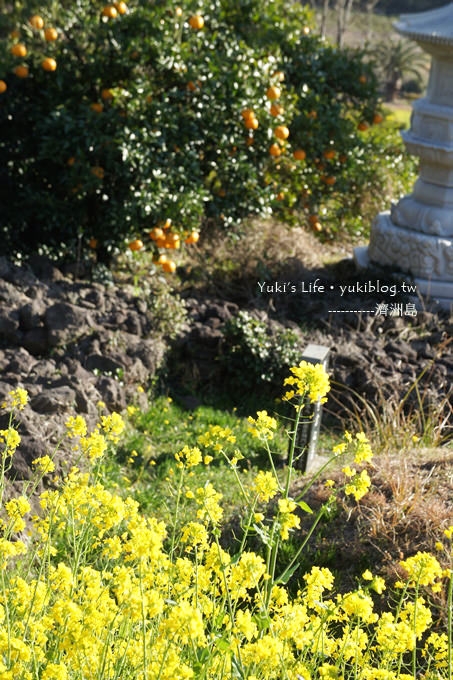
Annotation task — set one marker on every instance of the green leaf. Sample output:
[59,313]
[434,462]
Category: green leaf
[305,507]
[284,578]
[222,644]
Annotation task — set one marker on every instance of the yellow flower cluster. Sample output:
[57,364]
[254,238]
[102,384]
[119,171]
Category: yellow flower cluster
[17,398]
[263,426]
[208,500]
[358,485]
[423,569]
[102,592]
[16,509]
[188,457]
[288,520]
[265,485]
[45,464]
[358,445]
[10,440]
[94,444]
[217,437]
[309,380]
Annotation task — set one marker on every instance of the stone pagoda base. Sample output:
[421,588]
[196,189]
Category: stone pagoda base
[427,259]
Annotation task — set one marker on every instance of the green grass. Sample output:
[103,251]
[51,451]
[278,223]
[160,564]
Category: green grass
[402,117]
[143,465]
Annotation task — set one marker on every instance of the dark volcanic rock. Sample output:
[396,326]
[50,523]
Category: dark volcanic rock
[56,400]
[71,345]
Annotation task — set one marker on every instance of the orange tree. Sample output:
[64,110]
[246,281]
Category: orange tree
[117,119]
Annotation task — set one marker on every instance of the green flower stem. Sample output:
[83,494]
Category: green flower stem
[175,521]
[314,478]
[243,492]
[293,447]
[247,528]
[450,625]
[271,460]
[315,523]
[145,661]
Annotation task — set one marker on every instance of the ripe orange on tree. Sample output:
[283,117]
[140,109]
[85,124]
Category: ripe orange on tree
[21,71]
[19,50]
[312,114]
[281,132]
[37,22]
[97,171]
[15,35]
[49,64]
[121,7]
[135,245]
[273,92]
[251,123]
[110,12]
[275,150]
[343,158]
[362,126]
[249,141]
[169,266]
[317,226]
[313,219]
[330,181]
[107,94]
[97,107]
[280,196]
[178,11]
[299,154]
[329,154]
[3,86]
[162,258]
[279,75]
[156,233]
[172,241]
[193,237]
[248,113]
[362,79]
[50,34]
[93,243]
[196,21]
[277,110]
[377,118]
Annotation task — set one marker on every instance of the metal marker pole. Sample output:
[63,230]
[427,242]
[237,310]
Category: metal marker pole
[307,434]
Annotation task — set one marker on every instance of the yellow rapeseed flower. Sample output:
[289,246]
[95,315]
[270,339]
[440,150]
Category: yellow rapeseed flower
[263,426]
[45,464]
[309,380]
[422,568]
[76,427]
[17,398]
[265,486]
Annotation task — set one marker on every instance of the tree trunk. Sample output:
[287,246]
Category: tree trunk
[391,89]
[371,4]
[343,8]
[325,9]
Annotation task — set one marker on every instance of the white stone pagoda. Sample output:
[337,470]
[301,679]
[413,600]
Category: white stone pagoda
[416,236]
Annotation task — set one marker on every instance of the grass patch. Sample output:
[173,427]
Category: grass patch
[144,464]
[399,116]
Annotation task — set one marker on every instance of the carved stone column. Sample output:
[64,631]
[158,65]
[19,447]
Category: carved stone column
[416,236]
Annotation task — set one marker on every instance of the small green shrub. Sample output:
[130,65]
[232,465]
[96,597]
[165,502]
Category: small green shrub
[254,353]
